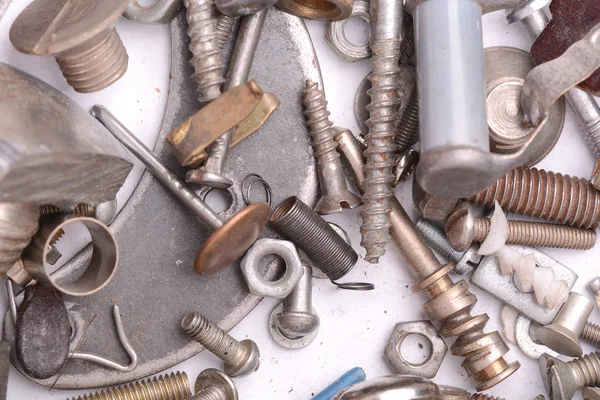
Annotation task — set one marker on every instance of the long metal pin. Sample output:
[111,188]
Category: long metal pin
[211,173]
[134,145]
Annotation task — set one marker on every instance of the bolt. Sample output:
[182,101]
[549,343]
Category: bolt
[211,173]
[205,48]
[537,193]
[231,239]
[104,212]
[386,33]
[583,104]
[334,192]
[315,237]
[449,302]
[213,384]
[80,34]
[240,358]
[297,319]
[565,378]
[164,387]
[407,132]
[465,261]
[462,229]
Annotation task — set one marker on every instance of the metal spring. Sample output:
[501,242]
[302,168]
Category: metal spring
[537,193]
[407,132]
[18,224]
[247,183]
[205,48]
[313,235]
[174,386]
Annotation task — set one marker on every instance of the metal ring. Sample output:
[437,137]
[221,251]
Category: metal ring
[359,286]
[526,342]
[336,35]
[247,183]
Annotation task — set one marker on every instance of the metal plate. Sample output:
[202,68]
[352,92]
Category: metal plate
[155,285]
[488,277]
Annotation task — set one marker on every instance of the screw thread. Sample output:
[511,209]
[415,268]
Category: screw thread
[591,132]
[587,112]
[481,396]
[591,334]
[436,238]
[97,66]
[407,132]
[211,393]
[225,28]
[315,237]
[175,386]
[587,369]
[317,119]
[537,234]
[214,339]
[538,193]
[382,122]
[205,48]
[80,210]
[18,224]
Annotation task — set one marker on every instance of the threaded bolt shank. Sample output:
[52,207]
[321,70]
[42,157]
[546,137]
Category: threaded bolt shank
[436,238]
[407,132]
[225,28]
[205,48]
[591,334]
[588,369]
[317,119]
[315,237]
[164,387]
[547,195]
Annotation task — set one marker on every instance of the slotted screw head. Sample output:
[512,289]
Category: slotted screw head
[460,227]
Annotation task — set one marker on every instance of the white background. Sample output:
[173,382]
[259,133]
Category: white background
[355,326]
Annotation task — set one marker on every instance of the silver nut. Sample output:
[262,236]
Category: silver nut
[257,284]
[400,365]
[336,35]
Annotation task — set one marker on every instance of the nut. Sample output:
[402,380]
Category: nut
[336,35]
[393,354]
[257,284]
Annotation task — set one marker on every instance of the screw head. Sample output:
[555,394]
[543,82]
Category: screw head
[213,377]
[563,381]
[560,339]
[249,365]
[460,227]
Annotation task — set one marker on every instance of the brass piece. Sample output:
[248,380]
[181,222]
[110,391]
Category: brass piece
[548,195]
[220,115]
[164,387]
[80,35]
[232,239]
[321,10]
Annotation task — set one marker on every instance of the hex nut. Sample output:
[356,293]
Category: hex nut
[336,35]
[257,284]
[400,365]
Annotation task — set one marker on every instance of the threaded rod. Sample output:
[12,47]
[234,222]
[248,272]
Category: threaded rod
[591,334]
[436,238]
[407,132]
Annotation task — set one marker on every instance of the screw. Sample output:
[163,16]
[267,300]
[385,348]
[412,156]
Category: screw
[462,229]
[80,34]
[18,224]
[230,239]
[386,28]
[334,192]
[211,173]
[583,104]
[565,378]
[465,261]
[213,384]
[225,28]
[315,237]
[407,132]
[548,195]
[164,387]
[294,322]
[205,48]
[240,358]
[104,212]
[449,302]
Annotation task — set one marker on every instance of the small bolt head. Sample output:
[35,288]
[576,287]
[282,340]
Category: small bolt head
[213,377]
[560,339]
[460,227]
[249,365]
[296,324]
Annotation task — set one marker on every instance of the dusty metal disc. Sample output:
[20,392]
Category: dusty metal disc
[156,285]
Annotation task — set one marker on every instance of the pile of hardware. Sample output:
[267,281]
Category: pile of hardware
[482,119]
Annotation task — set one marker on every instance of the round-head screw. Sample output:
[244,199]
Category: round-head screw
[213,384]
[460,227]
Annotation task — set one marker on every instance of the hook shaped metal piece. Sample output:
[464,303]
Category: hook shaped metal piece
[93,358]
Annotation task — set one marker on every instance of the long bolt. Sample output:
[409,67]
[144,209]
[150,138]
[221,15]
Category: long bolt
[566,378]
[334,193]
[407,132]
[164,387]
[449,302]
[463,228]
[205,48]
[240,358]
[386,32]
[583,104]
[537,193]
[211,173]
[465,261]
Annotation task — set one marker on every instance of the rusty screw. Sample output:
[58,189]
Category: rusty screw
[462,229]
[548,195]
[80,34]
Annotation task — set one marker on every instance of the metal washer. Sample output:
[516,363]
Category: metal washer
[284,341]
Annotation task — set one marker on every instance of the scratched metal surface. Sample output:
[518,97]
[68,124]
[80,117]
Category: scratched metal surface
[155,285]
